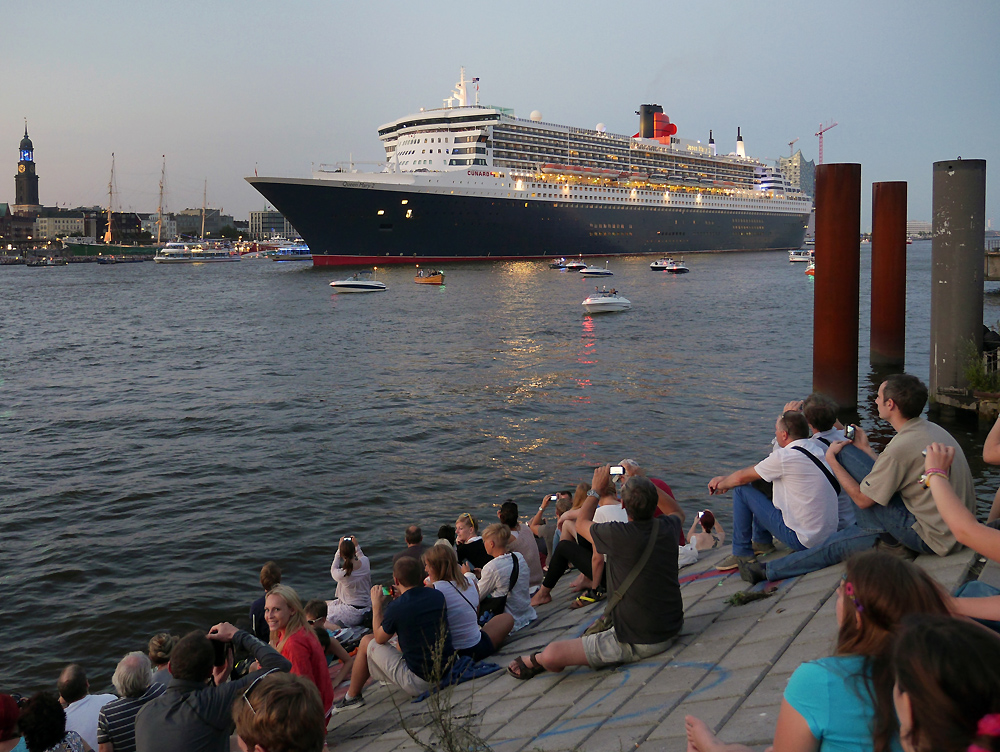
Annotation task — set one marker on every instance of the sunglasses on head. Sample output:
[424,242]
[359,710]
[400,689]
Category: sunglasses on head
[246,695]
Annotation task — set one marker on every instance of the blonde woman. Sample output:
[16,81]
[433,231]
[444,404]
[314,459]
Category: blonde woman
[160,647]
[496,576]
[469,543]
[292,636]
[462,598]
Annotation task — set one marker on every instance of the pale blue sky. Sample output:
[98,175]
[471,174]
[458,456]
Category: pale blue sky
[221,86]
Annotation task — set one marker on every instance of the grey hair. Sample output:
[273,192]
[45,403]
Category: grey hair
[631,465]
[133,675]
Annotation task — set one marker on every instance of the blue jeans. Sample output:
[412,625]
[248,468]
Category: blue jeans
[977,589]
[877,521]
[755,520]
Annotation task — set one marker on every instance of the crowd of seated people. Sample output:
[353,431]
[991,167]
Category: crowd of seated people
[904,672]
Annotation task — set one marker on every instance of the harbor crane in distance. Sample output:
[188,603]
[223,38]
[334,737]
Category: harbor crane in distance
[790,145]
[823,129]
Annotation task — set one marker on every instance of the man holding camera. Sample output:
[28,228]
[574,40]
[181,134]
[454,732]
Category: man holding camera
[803,511]
[194,714]
[895,510]
[417,615]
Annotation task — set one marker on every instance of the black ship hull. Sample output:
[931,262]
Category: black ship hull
[368,224]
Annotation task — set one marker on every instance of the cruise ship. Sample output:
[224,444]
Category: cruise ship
[467,181]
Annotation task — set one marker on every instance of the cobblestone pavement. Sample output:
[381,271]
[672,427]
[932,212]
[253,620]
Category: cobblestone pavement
[729,667]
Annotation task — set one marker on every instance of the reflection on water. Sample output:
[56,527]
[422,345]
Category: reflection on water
[167,430]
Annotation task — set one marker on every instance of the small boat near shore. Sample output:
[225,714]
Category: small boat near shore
[596,271]
[606,301]
[290,253]
[811,269]
[47,261]
[429,277]
[363,281]
[805,254]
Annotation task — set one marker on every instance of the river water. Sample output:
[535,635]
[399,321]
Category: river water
[166,430]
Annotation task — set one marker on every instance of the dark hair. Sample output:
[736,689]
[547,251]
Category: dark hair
[282,713]
[323,636]
[885,591]
[270,575]
[192,657]
[315,609]
[820,411]
[950,668]
[508,513]
[347,553]
[448,533]
[795,423]
[639,498]
[72,683]
[908,392]
[707,520]
[413,535]
[42,722]
[408,571]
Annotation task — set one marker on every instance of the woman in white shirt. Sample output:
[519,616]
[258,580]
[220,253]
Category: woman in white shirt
[495,580]
[462,599]
[352,571]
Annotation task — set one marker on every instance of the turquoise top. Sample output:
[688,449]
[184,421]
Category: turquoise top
[832,697]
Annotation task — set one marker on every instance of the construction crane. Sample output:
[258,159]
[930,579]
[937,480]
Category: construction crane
[823,129]
[790,145]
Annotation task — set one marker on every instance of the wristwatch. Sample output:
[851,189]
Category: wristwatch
[594,493]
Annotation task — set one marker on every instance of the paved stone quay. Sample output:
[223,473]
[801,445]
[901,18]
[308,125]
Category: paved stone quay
[729,667]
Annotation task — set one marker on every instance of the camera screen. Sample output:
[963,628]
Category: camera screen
[617,470]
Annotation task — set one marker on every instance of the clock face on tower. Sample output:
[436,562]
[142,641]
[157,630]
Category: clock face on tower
[20,168]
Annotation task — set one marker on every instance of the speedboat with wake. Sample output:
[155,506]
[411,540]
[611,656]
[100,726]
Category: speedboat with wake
[363,281]
[606,301]
[596,271]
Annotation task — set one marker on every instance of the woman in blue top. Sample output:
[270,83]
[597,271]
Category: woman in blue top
[844,702]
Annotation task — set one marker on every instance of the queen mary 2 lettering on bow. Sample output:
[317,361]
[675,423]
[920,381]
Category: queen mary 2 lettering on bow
[484,174]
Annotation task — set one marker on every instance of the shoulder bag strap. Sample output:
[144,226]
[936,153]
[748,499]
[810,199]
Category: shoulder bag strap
[514,571]
[459,591]
[615,599]
[821,466]
[820,438]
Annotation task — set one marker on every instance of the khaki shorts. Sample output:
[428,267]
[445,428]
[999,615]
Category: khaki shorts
[385,663]
[603,649]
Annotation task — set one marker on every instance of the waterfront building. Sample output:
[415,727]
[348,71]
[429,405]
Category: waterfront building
[26,181]
[799,172]
[189,221]
[915,228]
[269,223]
[15,229]
[168,231]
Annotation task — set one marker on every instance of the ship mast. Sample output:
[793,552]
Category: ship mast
[159,210]
[204,203]
[111,182]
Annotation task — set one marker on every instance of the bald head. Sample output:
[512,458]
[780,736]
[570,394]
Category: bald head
[73,684]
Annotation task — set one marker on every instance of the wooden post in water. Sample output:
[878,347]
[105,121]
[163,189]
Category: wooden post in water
[888,341]
[838,262]
[957,259]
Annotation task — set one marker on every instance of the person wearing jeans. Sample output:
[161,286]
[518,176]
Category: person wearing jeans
[803,512]
[894,507]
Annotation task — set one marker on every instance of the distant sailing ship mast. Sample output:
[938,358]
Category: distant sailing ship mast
[159,210]
[204,203]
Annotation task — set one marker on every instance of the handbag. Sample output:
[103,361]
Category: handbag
[605,621]
[496,604]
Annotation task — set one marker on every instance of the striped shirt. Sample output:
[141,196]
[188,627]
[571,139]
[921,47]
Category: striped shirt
[116,721]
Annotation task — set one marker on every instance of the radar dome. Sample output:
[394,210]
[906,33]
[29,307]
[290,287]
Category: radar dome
[600,128]
[536,116]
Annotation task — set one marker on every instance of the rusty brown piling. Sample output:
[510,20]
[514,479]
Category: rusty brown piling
[888,332]
[837,282]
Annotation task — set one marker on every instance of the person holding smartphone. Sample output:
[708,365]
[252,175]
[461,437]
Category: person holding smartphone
[352,571]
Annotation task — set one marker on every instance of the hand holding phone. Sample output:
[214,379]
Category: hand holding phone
[849,433]
[617,470]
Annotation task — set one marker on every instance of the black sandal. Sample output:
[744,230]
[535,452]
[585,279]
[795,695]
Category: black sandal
[524,671]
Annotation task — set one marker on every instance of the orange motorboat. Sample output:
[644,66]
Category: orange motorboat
[429,277]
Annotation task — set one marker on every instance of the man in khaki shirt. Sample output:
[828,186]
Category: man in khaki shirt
[893,507]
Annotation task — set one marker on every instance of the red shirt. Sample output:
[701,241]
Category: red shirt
[302,648]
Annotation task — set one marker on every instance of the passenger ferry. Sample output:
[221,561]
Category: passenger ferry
[467,181]
[195,253]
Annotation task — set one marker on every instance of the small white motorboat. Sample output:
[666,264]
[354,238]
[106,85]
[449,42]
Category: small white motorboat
[363,281]
[574,266]
[805,254]
[596,271]
[606,301]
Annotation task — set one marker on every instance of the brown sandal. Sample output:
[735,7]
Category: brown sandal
[524,671]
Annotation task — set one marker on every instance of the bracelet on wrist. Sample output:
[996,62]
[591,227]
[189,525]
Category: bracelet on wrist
[928,474]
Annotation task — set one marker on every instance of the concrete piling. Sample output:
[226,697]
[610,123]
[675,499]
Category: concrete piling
[837,282]
[957,258]
[888,323]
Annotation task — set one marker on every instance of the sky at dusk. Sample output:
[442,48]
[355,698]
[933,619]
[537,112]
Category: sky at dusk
[222,88]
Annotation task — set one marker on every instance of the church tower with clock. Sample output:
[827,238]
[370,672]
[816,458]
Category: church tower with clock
[26,181]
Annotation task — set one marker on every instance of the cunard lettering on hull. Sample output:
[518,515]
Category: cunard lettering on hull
[468,181]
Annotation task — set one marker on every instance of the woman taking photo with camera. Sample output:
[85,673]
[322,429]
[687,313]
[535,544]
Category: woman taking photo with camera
[295,640]
[352,571]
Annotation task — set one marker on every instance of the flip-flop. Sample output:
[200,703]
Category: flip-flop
[524,671]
